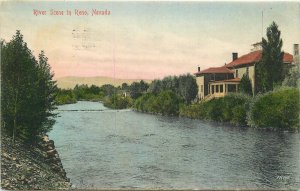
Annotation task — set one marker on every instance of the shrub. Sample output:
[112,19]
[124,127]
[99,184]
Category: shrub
[117,102]
[232,108]
[276,110]
[165,103]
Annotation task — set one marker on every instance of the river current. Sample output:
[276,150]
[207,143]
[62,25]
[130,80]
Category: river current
[122,149]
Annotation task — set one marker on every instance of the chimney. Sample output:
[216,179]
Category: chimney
[296,49]
[234,56]
[198,68]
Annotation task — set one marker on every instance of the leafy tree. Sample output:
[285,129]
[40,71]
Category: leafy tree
[125,86]
[156,86]
[108,89]
[270,68]
[27,90]
[245,85]
[138,88]
[188,88]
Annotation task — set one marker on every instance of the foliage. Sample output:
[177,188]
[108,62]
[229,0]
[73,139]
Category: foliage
[184,86]
[165,103]
[27,90]
[136,89]
[293,77]
[270,69]
[231,108]
[65,97]
[276,110]
[117,102]
[245,85]
[92,93]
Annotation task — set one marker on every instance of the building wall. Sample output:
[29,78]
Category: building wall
[200,83]
[243,70]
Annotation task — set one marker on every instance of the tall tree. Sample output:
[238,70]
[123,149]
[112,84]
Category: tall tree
[27,90]
[270,69]
[18,77]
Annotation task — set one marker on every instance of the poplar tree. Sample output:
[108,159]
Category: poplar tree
[270,68]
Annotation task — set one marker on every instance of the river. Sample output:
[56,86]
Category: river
[123,149]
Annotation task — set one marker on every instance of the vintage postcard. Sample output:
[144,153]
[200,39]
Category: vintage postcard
[150,95]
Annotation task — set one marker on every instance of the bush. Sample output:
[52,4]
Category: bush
[276,110]
[117,102]
[165,103]
[232,108]
[65,97]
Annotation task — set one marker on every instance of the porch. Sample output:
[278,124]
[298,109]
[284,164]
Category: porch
[221,88]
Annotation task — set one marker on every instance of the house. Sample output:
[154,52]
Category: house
[205,77]
[218,81]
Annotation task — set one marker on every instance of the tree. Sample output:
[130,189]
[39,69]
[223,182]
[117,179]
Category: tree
[188,88]
[245,85]
[270,69]
[27,90]
[18,78]
[135,90]
[125,86]
[47,89]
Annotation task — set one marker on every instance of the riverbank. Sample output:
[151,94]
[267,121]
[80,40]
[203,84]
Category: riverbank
[27,167]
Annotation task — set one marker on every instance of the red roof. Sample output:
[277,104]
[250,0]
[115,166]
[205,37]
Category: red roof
[216,70]
[255,57]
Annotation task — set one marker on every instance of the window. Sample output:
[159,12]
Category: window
[221,88]
[247,71]
[212,89]
[217,88]
[231,88]
[236,73]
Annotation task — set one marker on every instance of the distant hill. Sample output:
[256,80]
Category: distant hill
[71,81]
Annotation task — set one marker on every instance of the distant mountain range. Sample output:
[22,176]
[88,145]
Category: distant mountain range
[71,81]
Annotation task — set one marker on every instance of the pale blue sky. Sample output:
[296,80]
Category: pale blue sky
[146,39]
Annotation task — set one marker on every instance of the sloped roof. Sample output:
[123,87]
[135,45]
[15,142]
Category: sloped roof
[216,70]
[255,57]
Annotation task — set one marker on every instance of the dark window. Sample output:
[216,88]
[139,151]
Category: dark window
[231,88]
[217,88]
[236,73]
[212,89]
[221,88]
[247,71]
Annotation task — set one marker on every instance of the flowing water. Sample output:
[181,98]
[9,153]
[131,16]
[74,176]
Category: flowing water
[116,149]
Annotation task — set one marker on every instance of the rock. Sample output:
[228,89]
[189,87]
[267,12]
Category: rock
[51,143]
[5,155]
[45,138]
[14,158]
[22,178]
[51,152]
[7,185]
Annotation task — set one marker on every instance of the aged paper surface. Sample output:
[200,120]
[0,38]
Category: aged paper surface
[106,54]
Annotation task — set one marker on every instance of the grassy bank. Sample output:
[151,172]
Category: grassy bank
[277,110]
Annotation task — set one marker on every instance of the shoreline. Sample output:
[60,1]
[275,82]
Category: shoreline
[31,167]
